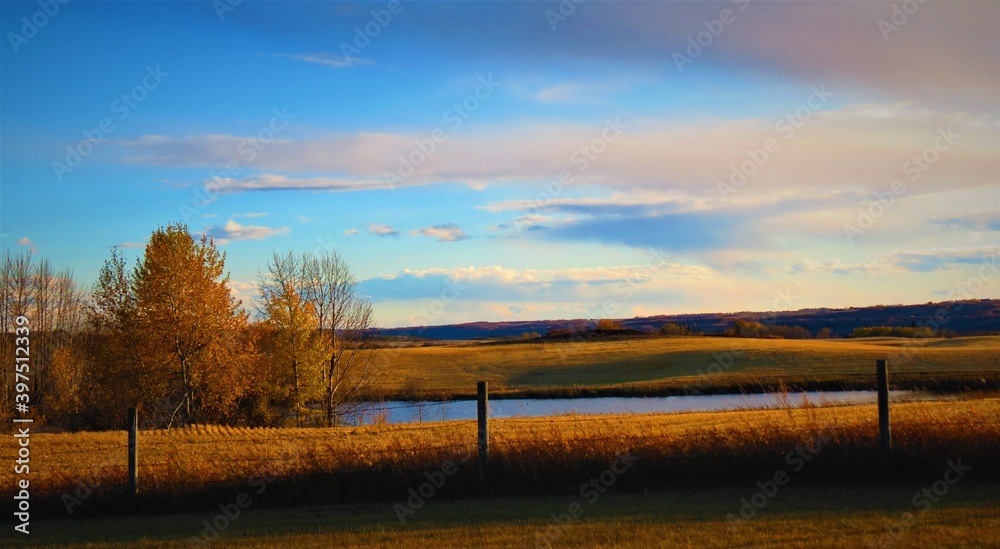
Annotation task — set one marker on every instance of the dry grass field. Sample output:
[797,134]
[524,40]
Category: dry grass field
[312,487]
[183,466]
[652,364]
[799,516]
[686,474]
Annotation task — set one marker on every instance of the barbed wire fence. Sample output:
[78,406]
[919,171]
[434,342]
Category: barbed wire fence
[190,459]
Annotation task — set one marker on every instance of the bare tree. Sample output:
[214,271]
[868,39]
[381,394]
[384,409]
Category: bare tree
[53,306]
[15,297]
[66,366]
[345,319]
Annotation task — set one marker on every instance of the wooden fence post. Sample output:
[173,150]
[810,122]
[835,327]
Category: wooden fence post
[484,431]
[133,469]
[885,436]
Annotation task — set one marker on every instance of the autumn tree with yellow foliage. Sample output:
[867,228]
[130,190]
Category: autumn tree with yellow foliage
[294,347]
[311,305]
[174,330]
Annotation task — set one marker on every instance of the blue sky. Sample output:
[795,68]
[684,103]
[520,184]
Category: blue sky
[592,164]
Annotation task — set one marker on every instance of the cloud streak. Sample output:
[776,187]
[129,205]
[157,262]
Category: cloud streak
[379,229]
[443,233]
[862,147]
[325,59]
[233,231]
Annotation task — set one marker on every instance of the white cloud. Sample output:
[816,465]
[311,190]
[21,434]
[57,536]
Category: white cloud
[243,291]
[496,274]
[883,265]
[277,182]
[234,231]
[351,232]
[379,229]
[558,93]
[326,59]
[444,233]
[27,242]
[859,147]
[894,263]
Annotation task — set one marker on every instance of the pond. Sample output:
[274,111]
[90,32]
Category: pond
[413,412]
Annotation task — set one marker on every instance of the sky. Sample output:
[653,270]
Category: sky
[502,160]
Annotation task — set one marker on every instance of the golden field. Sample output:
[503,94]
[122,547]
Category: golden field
[646,365]
[338,486]
[526,453]
[690,472]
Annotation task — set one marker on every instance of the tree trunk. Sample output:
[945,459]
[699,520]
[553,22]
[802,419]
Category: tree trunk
[187,390]
[331,385]
[295,381]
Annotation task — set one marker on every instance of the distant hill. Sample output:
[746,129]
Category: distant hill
[959,317]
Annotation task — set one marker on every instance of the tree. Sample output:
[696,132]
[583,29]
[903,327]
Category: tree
[119,372]
[52,304]
[59,308]
[608,325]
[671,329]
[190,324]
[294,343]
[755,329]
[15,296]
[346,320]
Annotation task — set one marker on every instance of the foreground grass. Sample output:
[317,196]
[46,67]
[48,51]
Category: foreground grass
[182,469]
[799,515]
[665,363]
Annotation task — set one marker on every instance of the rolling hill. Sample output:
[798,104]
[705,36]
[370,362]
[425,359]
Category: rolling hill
[973,317]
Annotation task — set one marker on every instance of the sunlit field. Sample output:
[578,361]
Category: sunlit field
[651,364]
[192,466]
[485,274]
[681,481]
